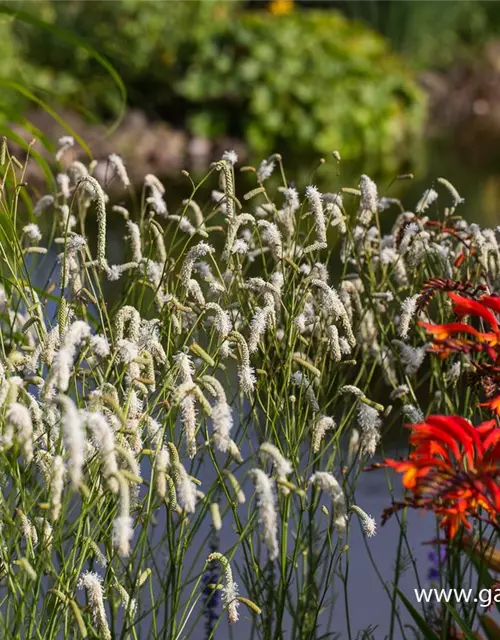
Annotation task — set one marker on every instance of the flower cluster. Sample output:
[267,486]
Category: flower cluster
[480,343]
[453,471]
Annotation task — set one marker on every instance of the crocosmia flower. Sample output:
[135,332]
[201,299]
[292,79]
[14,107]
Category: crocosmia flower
[481,341]
[452,471]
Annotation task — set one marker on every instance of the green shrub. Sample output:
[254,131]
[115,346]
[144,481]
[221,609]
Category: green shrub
[429,34]
[309,80]
[141,40]
[13,67]
[312,76]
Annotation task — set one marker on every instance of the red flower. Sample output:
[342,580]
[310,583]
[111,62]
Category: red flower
[469,307]
[446,340]
[444,331]
[453,470]
[493,404]
[492,302]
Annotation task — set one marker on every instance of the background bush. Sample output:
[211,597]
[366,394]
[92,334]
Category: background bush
[429,34]
[310,79]
[323,76]
[148,65]
[313,77]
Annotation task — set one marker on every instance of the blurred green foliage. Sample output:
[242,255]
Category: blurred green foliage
[430,33]
[14,66]
[312,80]
[140,38]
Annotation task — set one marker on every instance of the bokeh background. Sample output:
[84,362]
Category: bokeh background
[395,86]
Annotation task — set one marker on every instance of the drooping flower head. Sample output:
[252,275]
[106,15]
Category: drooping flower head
[92,583]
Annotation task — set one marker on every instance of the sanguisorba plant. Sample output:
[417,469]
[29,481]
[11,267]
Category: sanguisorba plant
[182,431]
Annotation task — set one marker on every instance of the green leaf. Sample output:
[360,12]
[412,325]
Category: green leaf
[37,157]
[425,628]
[468,633]
[482,572]
[31,96]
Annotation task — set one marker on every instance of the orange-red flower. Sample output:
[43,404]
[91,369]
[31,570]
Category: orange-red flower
[463,306]
[493,404]
[444,331]
[446,338]
[468,307]
[492,302]
[453,470]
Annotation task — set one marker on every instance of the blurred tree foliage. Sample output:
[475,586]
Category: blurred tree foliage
[307,80]
[430,33]
[141,39]
[16,67]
